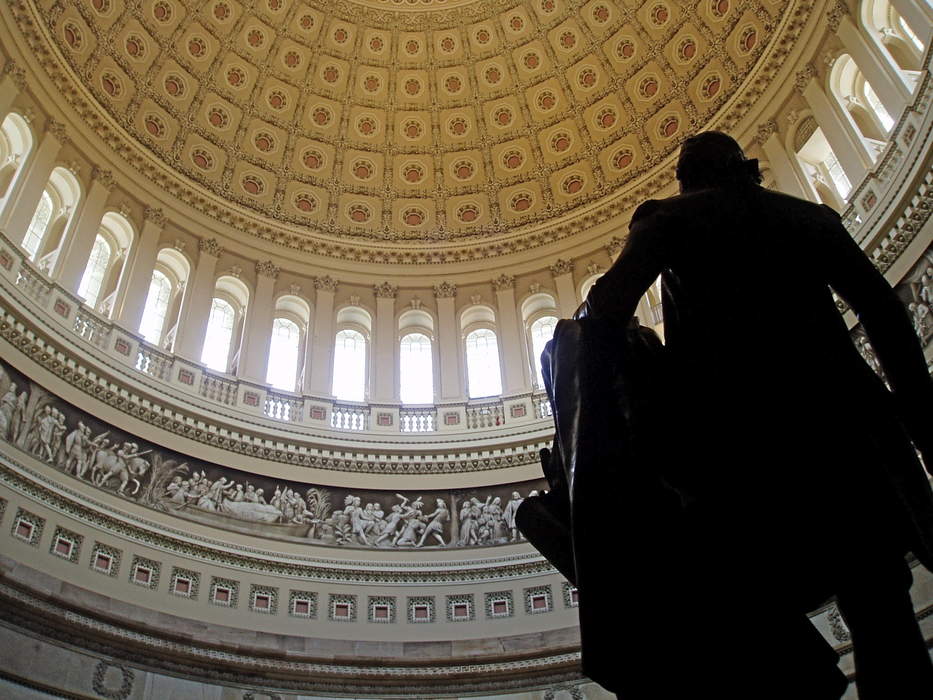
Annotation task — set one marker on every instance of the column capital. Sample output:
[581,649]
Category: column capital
[58,130]
[156,216]
[765,131]
[503,282]
[15,73]
[104,177]
[804,76]
[268,269]
[445,290]
[561,267]
[614,246]
[834,16]
[325,284]
[386,290]
[210,246]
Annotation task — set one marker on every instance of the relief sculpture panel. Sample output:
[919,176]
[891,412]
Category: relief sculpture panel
[37,422]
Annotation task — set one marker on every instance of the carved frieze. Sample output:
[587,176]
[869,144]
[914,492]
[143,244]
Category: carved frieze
[210,246]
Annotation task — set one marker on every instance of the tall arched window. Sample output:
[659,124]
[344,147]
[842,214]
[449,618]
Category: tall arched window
[416,369]
[157,301]
[350,366]
[283,354]
[542,331]
[94,273]
[216,352]
[909,33]
[38,226]
[482,356]
[887,121]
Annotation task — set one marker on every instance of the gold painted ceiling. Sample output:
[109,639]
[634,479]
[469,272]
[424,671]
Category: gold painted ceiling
[412,120]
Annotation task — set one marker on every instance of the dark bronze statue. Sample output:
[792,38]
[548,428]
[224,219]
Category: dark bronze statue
[754,466]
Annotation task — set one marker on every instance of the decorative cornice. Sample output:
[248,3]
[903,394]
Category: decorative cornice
[104,177]
[445,290]
[154,215]
[386,290]
[267,268]
[210,246]
[561,267]
[325,284]
[765,130]
[503,282]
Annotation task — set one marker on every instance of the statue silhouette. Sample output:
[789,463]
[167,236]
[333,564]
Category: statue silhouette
[765,468]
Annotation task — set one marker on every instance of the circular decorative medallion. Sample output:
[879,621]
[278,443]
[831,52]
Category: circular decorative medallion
[546,100]
[218,117]
[154,125]
[513,159]
[560,141]
[502,117]
[458,126]
[363,169]
[321,115]
[359,213]
[521,201]
[175,85]
[252,184]
[73,36]
[572,184]
[622,158]
[162,12]
[197,47]
[312,159]
[453,84]
[264,141]
[221,11]
[413,216]
[277,99]
[376,44]
[669,126]
[468,213]
[111,84]
[135,46]
[236,77]
[366,126]
[606,118]
[412,173]
[413,129]
[463,169]
[305,202]
[202,159]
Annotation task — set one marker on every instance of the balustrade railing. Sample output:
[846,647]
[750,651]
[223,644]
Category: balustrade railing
[490,415]
[152,362]
[417,420]
[542,406]
[33,284]
[349,417]
[219,389]
[283,407]
[92,329]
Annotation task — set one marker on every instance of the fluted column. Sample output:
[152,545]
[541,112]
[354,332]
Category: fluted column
[75,249]
[196,305]
[134,288]
[562,272]
[385,384]
[849,148]
[18,213]
[254,356]
[448,342]
[886,80]
[514,377]
[778,160]
[919,17]
[320,362]
[12,82]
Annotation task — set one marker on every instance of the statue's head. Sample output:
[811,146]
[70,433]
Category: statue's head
[713,158]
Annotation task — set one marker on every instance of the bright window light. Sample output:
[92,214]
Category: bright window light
[909,33]
[160,293]
[837,175]
[216,351]
[94,273]
[37,227]
[283,354]
[482,355]
[416,370]
[542,331]
[350,366]
[886,120]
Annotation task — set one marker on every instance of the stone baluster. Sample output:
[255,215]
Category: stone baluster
[257,337]
[196,305]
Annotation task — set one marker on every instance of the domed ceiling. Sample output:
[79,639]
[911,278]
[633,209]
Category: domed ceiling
[422,120]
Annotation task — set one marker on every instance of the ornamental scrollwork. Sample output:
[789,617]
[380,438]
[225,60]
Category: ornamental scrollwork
[503,282]
[561,267]
[386,290]
[267,268]
[325,284]
[154,215]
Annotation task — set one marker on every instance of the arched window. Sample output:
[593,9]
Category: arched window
[350,366]
[416,369]
[482,357]
[216,352]
[15,145]
[909,33]
[38,226]
[820,164]
[157,301]
[872,99]
[94,273]
[283,354]
[542,331]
